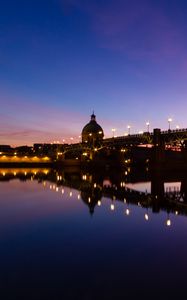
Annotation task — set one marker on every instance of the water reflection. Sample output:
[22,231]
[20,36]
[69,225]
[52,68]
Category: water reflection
[155,192]
[92,235]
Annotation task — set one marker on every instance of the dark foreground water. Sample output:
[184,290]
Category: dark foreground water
[76,236]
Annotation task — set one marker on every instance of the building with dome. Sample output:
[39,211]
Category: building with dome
[92,133]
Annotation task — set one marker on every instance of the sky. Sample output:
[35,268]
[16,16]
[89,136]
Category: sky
[62,59]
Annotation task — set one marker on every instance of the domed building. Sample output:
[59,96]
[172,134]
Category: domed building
[92,133]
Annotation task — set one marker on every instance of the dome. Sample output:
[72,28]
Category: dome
[92,130]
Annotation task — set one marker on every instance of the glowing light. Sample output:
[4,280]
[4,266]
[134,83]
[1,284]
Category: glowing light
[127,212]
[146,217]
[147,124]
[168,222]
[46,158]
[62,191]
[89,200]
[78,197]
[99,203]
[59,153]
[70,194]
[129,128]
[112,207]
[56,189]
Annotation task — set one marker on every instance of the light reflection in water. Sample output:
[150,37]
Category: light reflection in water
[130,226]
[92,191]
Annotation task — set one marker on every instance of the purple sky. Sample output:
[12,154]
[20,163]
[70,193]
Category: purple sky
[59,60]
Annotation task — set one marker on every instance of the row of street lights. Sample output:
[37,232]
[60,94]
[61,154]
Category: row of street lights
[129,129]
[114,130]
[147,127]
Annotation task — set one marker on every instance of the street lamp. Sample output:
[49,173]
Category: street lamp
[169,122]
[113,130]
[177,126]
[147,124]
[129,128]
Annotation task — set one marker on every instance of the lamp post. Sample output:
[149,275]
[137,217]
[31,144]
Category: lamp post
[129,128]
[113,130]
[147,124]
[169,122]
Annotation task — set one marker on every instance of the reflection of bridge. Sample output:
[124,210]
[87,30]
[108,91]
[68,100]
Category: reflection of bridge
[93,187]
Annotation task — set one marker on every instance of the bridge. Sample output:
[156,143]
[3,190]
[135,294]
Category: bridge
[178,136]
[157,140]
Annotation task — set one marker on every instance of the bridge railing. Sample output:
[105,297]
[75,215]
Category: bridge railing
[182,130]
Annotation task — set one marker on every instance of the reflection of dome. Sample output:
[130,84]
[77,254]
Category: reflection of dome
[90,196]
[92,132]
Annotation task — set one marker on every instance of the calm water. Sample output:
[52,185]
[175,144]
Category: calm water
[83,236]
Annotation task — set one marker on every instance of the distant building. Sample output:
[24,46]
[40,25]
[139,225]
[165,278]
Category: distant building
[6,149]
[92,133]
[23,150]
[48,149]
